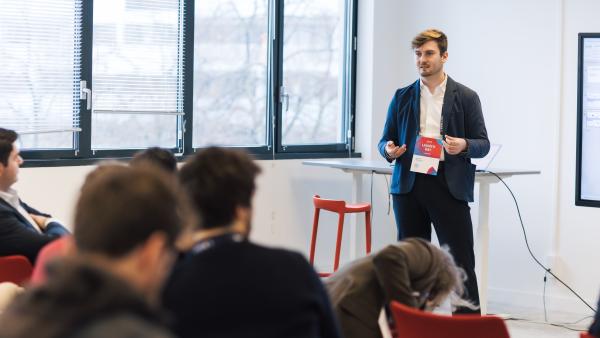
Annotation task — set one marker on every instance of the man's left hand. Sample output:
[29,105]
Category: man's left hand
[455,145]
[40,220]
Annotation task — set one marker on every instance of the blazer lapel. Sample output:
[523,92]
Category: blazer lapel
[18,214]
[447,108]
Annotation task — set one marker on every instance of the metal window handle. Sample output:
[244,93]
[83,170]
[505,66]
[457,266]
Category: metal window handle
[85,94]
[283,95]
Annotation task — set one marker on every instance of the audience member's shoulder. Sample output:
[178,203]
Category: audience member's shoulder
[123,325]
[279,254]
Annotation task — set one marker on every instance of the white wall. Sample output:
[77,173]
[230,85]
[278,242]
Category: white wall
[283,201]
[579,227]
[520,56]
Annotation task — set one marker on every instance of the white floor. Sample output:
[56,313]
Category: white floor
[529,323]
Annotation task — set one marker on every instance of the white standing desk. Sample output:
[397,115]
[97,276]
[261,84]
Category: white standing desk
[358,167]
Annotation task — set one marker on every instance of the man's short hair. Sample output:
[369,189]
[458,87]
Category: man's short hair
[156,156]
[7,138]
[217,181]
[120,207]
[431,35]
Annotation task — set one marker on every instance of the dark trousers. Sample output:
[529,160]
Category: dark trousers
[430,202]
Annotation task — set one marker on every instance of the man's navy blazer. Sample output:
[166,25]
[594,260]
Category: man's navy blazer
[461,117]
[17,235]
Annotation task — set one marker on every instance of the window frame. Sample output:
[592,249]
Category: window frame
[348,104]
[83,154]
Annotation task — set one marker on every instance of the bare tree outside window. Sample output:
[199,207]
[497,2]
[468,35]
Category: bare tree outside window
[135,53]
[312,71]
[39,71]
[230,72]
[137,73]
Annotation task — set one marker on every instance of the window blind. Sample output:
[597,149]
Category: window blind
[40,63]
[138,57]
[137,74]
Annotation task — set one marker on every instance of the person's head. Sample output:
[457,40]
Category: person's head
[220,184]
[449,282]
[155,156]
[10,159]
[431,52]
[127,220]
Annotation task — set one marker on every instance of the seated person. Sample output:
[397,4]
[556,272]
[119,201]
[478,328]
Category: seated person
[23,230]
[162,158]
[227,286]
[126,223]
[413,272]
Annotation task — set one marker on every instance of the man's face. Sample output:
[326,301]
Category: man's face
[428,59]
[9,173]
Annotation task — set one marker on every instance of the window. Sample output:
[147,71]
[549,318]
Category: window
[85,80]
[137,74]
[313,56]
[40,60]
[231,54]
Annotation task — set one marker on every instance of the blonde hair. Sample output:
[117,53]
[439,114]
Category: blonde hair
[431,35]
[450,282]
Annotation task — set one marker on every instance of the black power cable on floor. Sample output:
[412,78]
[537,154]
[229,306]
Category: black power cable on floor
[547,270]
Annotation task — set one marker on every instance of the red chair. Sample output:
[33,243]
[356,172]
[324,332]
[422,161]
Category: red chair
[586,335]
[55,249]
[15,269]
[341,208]
[414,323]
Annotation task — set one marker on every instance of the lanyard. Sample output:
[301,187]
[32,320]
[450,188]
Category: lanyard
[210,243]
[442,123]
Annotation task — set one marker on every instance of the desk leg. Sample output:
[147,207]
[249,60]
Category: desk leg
[356,196]
[482,243]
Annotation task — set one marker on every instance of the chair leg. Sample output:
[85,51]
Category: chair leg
[368,230]
[313,239]
[338,244]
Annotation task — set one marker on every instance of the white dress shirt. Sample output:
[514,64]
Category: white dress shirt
[431,110]
[12,198]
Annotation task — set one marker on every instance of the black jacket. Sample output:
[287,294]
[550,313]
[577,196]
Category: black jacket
[17,237]
[80,301]
[239,289]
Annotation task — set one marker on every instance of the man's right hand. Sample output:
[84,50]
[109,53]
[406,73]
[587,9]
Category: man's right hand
[393,151]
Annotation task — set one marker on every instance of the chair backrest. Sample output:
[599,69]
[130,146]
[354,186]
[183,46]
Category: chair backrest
[331,205]
[55,249]
[15,269]
[586,335]
[414,323]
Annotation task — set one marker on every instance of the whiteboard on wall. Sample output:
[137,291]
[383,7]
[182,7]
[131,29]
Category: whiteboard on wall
[588,121]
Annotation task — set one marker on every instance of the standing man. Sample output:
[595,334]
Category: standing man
[23,229]
[435,110]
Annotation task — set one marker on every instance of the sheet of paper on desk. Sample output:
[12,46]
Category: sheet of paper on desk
[483,163]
